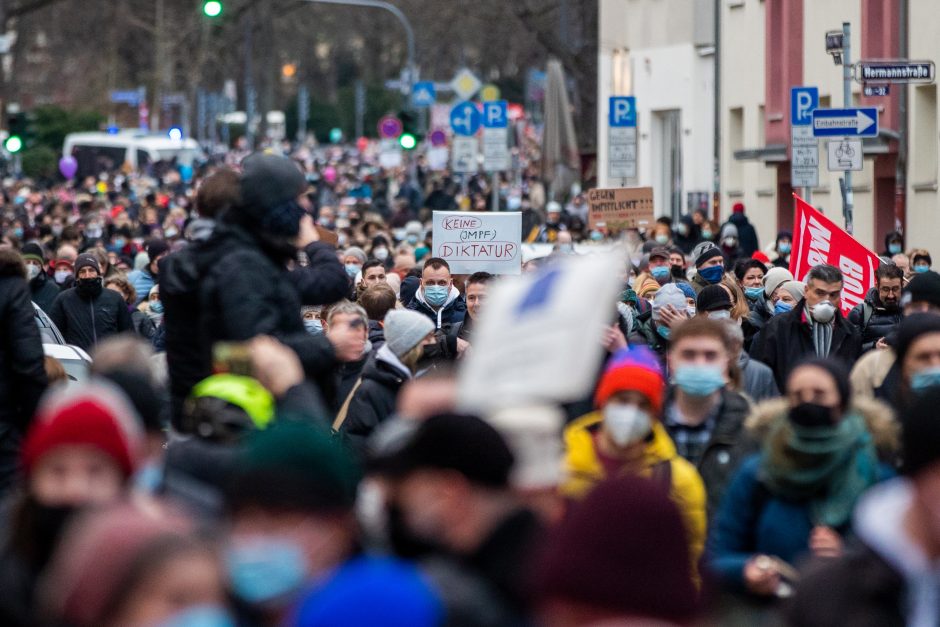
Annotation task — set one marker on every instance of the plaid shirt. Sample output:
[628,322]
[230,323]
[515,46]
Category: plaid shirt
[690,440]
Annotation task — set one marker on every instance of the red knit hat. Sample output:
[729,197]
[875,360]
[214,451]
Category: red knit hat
[761,256]
[635,369]
[98,416]
[738,207]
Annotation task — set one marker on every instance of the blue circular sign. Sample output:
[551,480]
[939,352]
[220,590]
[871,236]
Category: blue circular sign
[465,119]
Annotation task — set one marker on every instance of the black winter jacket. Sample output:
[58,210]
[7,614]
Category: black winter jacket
[747,236]
[373,401]
[787,339]
[86,321]
[232,288]
[23,374]
[881,320]
[43,291]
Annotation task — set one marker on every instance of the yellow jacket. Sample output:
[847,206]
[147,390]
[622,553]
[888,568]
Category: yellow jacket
[583,469]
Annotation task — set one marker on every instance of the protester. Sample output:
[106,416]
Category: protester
[750,275]
[348,319]
[22,367]
[762,307]
[88,313]
[730,247]
[783,245]
[819,454]
[702,415]
[815,327]
[475,294]
[607,564]
[373,271]
[437,298]
[886,578]
[140,321]
[714,302]
[757,379]
[880,313]
[688,234]
[904,263]
[709,265]
[920,260]
[894,244]
[377,301]
[668,311]
[747,236]
[372,398]
[42,289]
[625,437]
[144,279]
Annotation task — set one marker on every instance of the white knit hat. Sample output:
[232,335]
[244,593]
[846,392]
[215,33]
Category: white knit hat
[404,329]
[775,278]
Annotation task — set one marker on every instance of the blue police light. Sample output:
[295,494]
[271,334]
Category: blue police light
[113,130]
[175,133]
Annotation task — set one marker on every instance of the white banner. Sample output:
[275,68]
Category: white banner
[479,241]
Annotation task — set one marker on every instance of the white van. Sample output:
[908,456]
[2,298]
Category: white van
[99,152]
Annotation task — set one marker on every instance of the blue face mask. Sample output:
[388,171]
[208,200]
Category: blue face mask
[784,248]
[18,232]
[894,248]
[753,293]
[352,270]
[313,327]
[660,273]
[699,380]
[782,307]
[436,295]
[663,331]
[200,616]
[712,275]
[924,379]
[266,569]
[156,307]
[919,268]
[119,242]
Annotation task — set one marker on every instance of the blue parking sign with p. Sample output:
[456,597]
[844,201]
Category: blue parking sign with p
[495,114]
[803,100]
[622,111]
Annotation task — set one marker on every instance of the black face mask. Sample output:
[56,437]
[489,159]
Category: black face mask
[400,539]
[812,415]
[678,272]
[89,288]
[38,530]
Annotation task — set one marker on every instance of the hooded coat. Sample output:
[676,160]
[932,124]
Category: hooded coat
[86,321]
[747,236]
[43,290]
[373,401]
[444,318]
[754,521]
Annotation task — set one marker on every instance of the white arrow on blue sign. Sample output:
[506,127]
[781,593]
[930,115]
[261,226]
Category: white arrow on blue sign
[622,111]
[803,101]
[465,119]
[861,122]
[423,94]
[495,114]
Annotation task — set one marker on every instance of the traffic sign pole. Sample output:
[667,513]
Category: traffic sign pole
[847,200]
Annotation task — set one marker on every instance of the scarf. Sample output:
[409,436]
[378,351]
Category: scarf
[822,334]
[826,467]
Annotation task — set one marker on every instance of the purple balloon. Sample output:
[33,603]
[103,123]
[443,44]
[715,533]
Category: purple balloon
[68,166]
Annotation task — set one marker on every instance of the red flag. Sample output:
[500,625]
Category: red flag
[817,239]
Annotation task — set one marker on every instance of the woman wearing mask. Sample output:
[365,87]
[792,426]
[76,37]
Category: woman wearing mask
[143,325]
[82,449]
[624,437]
[709,231]
[819,453]
[782,247]
[894,244]
[121,566]
[787,296]
[920,260]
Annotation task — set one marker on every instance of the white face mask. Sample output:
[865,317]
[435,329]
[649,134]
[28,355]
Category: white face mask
[626,424]
[721,314]
[824,312]
[730,242]
[32,271]
[380,253]
[61,276]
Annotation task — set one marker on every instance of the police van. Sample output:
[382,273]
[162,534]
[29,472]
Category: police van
[129,150]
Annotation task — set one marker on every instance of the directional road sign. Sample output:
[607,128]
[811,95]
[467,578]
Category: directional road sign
[622,111]
[803,101]
[423,94]
[861,122]
[465,119]
[390,127]
[894,71]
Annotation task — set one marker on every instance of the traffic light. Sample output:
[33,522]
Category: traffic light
[13,144]
[408,141]
[18,129]
[212,8]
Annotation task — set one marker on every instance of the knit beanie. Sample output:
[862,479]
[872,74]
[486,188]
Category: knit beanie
[404,329]
[32,251]
[97,415]
[294,466]
[86,260]
[704,252]
[397,594]
[156,247]
[796,289]
[912,327]
[623,549]
[713,298]
[773,279]
[686,288]
[729,230]
[920,433]
[924,287]
[270,185]
[358,253]
[632,369]
[668,294]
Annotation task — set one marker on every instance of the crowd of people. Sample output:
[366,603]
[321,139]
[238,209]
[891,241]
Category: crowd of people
[269,432]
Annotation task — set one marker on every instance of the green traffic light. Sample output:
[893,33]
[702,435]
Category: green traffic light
[13,144]
[212,8]
[408,141]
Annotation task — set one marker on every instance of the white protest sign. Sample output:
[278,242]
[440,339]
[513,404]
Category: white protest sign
[438,157]
[464,154]
[479,241]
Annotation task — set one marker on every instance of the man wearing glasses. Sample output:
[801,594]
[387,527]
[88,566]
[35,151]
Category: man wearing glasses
[880,313]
